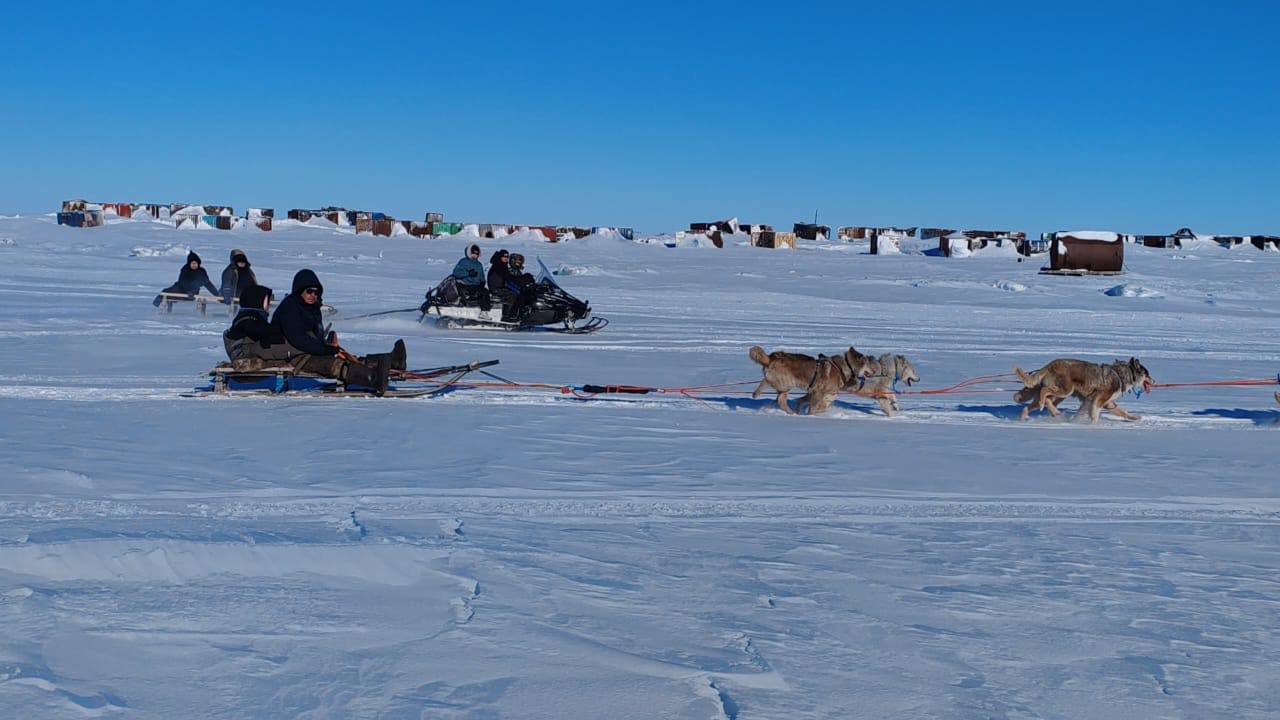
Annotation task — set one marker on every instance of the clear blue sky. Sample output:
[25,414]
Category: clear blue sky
[1130,116]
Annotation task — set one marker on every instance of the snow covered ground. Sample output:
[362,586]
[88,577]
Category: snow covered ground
[526,554]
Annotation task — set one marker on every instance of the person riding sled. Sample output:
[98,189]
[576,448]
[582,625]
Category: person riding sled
[237,276]
[470,278]
[191,278]
[296,335]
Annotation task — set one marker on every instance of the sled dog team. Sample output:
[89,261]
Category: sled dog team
[1097,386]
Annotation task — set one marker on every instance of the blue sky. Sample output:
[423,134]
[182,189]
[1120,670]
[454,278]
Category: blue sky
[1137,116]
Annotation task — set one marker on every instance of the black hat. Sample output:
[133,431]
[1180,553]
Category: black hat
[304,279]
[252,296]
[193,256]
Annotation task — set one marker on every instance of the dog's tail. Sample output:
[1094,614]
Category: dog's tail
[758,354]
[1029,379]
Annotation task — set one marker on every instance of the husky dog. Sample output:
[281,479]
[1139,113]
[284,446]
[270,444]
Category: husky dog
[1097,386]
[822,376]
[879,384]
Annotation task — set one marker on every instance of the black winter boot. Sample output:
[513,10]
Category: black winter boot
[399,357]
[365,376]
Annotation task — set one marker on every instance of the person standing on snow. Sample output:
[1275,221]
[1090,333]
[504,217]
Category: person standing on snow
[238,276]
[308,349]
[191,279]
[470,277]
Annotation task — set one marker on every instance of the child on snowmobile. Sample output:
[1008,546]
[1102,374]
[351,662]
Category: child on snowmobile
[504,286]
[191,279]
[296,335]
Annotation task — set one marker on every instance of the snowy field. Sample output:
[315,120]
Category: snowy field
[526,554]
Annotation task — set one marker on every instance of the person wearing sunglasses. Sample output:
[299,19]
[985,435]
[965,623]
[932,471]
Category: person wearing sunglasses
[470,279]
[309,349]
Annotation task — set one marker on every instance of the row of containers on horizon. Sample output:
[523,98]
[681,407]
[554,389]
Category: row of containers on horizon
[1070,252]
[81,213]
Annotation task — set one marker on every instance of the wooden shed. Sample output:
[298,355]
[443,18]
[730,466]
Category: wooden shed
[809,231]
[1085,252]
[773,239]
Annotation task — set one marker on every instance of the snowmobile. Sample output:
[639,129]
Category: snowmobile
[550,308]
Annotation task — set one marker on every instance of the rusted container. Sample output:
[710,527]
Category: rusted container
[1069,253]
[434,217]
[853,233]
[224,222]
[547,232]
[263,223]
[808,231]
[383,226]
[299,215]
[364,225]
[74,205]
[930,233]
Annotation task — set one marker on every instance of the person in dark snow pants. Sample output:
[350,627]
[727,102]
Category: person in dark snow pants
[237,276]
[506,287]
[470,277]
[307,347]
[191,279]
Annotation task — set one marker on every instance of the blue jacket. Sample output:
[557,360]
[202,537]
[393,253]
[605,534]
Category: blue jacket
[469,272]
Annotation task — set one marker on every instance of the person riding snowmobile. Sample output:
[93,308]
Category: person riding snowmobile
[470,279]
[237,276]
[191,278]
[308,348]
[503,285]
[521,278]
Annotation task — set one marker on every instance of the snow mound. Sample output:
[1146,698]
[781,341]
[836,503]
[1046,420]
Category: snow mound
[1128,290]
[1009,286]
[316,221]
[605,235]
[575,270]
[7,242]
[169,250]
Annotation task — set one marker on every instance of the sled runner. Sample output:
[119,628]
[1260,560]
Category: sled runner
[550,308]
[167,299]
[251,377]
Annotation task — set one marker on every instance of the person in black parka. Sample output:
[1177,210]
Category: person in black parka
[237,276]
[251,334]
[191,279]
[506,287]
[309,349]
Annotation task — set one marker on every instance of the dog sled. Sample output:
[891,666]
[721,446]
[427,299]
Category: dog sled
[254,377]
[201,301]
[550,308]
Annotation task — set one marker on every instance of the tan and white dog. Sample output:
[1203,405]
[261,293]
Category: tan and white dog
[1097,386]
[822,377]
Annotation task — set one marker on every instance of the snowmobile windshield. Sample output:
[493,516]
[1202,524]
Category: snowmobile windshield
[546,276]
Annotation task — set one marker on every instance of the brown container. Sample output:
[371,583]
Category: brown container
[364,225]
[772,239]
[223,222]
[807,231]
[1094,256]
[383,226]
[263,223]
[547,232]
[853,233]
